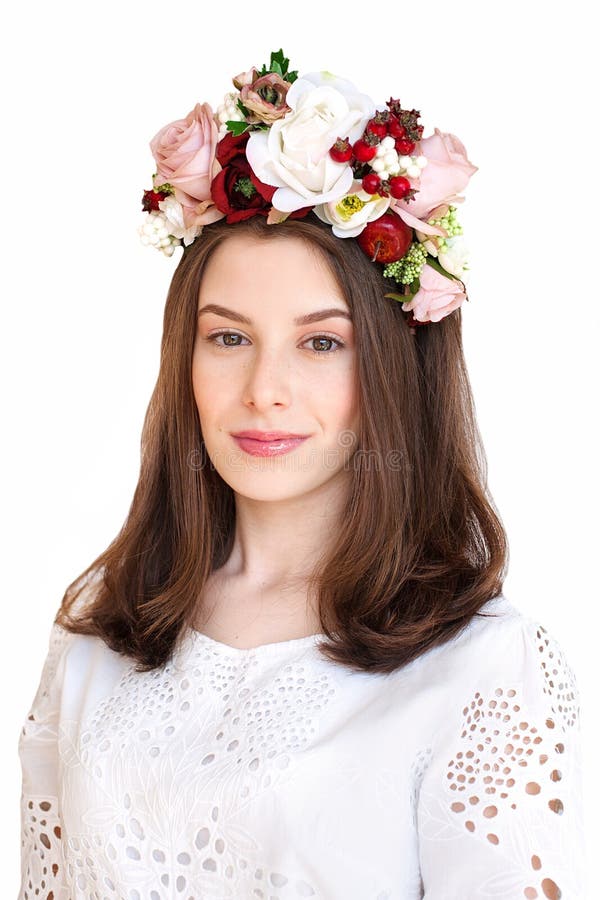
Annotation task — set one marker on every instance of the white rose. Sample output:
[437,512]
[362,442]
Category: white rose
[350,214]
[454,257]
[173,213]
[293,155]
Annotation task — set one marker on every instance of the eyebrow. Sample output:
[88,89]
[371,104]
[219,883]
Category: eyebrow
[300,320]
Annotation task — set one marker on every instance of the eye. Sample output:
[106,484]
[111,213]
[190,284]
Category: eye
[228,334]
[325,338]
[322,338]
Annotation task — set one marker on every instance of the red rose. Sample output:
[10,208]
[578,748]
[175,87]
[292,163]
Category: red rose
[230,146]
[235,190]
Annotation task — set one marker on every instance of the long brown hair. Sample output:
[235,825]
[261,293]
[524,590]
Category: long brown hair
[420,546]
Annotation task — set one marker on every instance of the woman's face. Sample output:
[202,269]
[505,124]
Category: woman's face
[257,366]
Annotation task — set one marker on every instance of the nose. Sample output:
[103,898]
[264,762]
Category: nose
[268,379]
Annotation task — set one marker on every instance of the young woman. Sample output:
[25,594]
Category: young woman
[293,673]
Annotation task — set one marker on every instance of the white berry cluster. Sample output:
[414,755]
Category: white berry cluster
[154,231]
[228,110]
[387,162]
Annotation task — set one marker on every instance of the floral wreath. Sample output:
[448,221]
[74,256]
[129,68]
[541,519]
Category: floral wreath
[282,145]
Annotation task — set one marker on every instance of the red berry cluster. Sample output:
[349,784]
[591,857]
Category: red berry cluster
[399,124]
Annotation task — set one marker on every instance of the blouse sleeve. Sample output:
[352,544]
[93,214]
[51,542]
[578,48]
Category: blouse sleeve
[42,868]
[500,807]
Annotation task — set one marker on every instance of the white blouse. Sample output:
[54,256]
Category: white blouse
[274,773]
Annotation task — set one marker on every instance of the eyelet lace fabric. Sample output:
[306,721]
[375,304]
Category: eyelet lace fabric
[501,810]
[273,773]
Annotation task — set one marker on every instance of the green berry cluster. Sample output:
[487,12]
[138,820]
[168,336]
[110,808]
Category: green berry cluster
[407,269]
[450,223]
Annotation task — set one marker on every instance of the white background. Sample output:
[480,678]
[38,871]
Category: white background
[88,85]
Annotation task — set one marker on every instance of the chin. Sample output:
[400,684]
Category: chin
[268,486]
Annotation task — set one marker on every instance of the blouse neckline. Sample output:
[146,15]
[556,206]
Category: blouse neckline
[275,647]
[261,649]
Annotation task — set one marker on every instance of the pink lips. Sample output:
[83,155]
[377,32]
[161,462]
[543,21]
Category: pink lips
[268,443]
[267,435]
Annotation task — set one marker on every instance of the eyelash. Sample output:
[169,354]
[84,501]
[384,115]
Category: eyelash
[329,337]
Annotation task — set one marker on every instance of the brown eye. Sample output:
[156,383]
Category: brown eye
[322,344]
[227,336]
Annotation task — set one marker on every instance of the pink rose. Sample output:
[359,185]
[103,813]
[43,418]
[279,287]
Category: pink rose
[437,297]
[446,174]
[185,155]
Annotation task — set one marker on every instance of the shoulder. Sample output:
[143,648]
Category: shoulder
[42,715]
[509,666]
[75,667]
[522,648]
[502,663]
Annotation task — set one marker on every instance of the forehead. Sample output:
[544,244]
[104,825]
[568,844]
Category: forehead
[283,277]
[261,262]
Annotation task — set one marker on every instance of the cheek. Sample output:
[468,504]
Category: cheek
[349,396]
[209,389]
[332,393]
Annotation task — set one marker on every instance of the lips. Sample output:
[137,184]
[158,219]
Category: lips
[268,435]
[279,445]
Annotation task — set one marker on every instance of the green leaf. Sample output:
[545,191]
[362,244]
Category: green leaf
[241,107]
[279,66]
[237,127]
[432,261]
[402,298]
[279,60]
